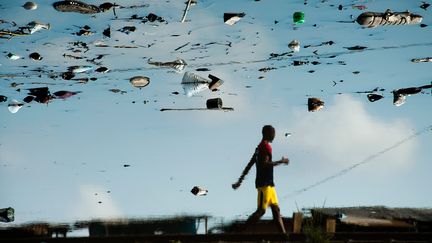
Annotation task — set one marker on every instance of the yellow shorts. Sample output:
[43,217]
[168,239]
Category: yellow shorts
[267,197]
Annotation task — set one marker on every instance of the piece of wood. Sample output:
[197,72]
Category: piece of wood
[331,225]
[297,222]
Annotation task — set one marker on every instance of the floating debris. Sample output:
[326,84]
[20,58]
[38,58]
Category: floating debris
[199,191]
[399,95]
[79,69]
[68,75]
[232,18]
[65,94]
[193,84]
[374,19]
[374,97]
[84,32]
[356,48]
[3,98]
[215,82]
[7,215]
[214,103]
[294,45]
[102,70]
[298,18]
[425,59]
[326,43]
[424,5]
[202,69]
[359,7]
[315,104]
[266,69]
[35,56]
[36,26]
[28,99]
[76,6]
[14,106]
[117,91]
[127,29]
[139,81]
[151,17]
[178,64]
[107,6]
[30,6]
[12,56]
[300,63]
[107,32]
[41,95]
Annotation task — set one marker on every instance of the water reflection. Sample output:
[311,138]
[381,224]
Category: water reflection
[107,70]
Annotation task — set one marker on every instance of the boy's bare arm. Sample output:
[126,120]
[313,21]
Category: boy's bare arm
[244,173]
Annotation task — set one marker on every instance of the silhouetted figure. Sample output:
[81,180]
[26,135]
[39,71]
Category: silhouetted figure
[262,159]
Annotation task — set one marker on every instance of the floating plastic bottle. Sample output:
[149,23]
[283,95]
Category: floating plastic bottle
[298,18]
[374,19]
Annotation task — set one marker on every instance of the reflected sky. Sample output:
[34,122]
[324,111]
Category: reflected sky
[65,159]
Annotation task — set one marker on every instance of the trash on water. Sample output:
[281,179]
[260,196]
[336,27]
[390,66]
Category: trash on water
[35,56]
[12,56]
[424,5]
[14,106]
[68,75]
[356,48]
[193,84]
[315,104]
[232,18]
[41,95]
[35,26]
[107,6]
[294,45]
[425,59]
[359,7]
[399,95]
[151,17]
[76,6]
[211,104]
[65,94]
[7,215]
[300,63]
[107,32]
[374,97]
[178,64]
[3,98]
[79,69]
[215,82]
[102,70]
[30,6]
[139,81]
[215,103]
[374,19]
[127,29]
[298,18]
[199,191]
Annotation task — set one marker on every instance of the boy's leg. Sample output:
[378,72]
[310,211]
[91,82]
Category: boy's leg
[277,217]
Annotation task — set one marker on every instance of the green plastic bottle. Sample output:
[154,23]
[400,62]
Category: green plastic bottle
[298,18]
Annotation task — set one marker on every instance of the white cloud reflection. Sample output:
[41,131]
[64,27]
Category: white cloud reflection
[345,133]
[95,202]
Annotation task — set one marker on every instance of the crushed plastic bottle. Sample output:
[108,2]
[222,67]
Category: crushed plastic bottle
[298,18]
[374,19]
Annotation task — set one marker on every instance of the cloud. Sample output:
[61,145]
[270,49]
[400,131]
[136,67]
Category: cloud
[344,133]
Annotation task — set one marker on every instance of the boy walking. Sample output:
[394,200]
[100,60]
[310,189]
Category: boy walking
[264,178]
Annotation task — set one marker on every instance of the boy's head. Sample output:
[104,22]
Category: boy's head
[268,133]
